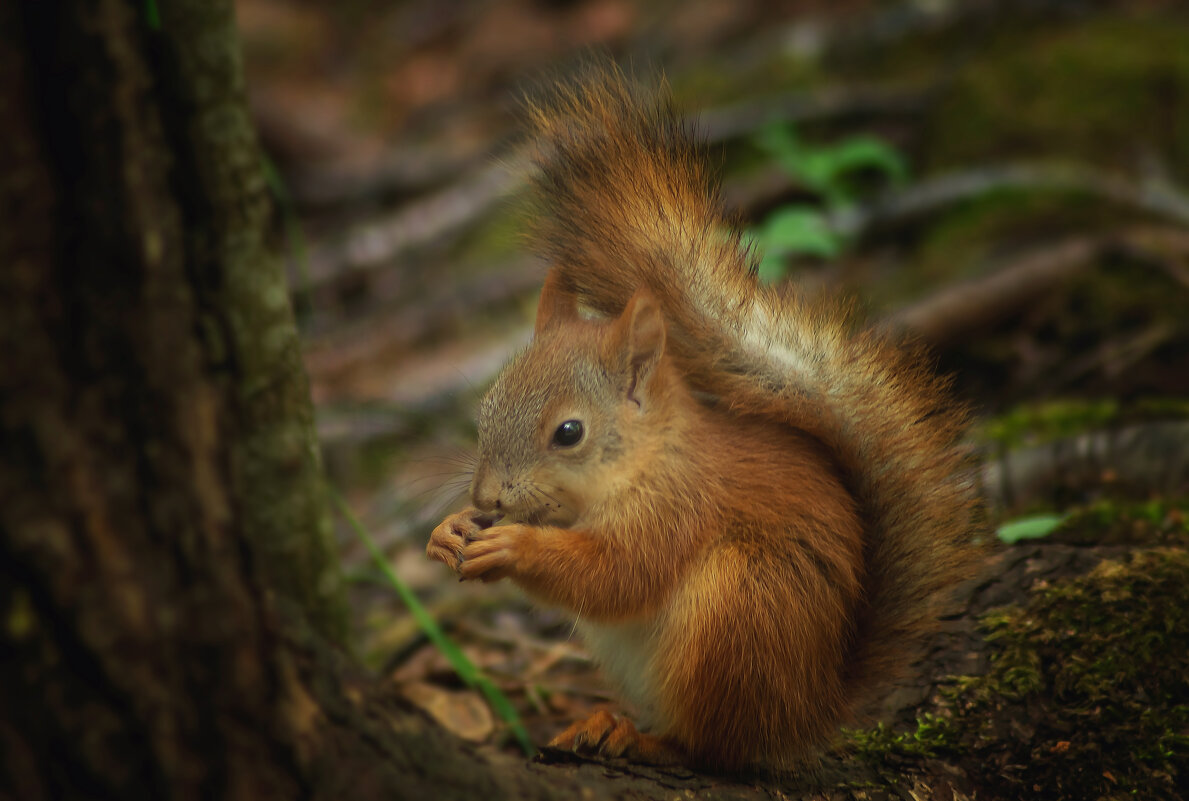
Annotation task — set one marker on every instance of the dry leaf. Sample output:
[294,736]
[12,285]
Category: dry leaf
[463,712]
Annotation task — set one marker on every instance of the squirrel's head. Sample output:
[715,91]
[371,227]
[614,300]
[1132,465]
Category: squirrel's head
[586,399]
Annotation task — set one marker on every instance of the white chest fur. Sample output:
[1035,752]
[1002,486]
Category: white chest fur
[624,651]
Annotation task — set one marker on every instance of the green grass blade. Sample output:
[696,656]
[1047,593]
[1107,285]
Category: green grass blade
[463,666]
[506,712]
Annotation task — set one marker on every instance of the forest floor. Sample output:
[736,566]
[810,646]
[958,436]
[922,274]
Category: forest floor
[1008,180]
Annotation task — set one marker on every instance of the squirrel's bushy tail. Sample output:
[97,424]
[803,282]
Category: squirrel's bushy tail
[626,202]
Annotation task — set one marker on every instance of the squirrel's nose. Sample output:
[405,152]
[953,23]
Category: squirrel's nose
[487,504]
[485,491]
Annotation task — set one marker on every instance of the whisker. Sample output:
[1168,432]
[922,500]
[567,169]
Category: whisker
[540,489]
[451,486]
[473,390]
[577,618]
[456,463]
[439,474]
[428,483]
[543,497]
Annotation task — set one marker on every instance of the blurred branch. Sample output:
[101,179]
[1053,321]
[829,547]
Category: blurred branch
[896,22]
[408,169]
[1156,197]
[954,312]
[378,243]
[1114,357]
[399,326]
[950,315]
[461,204]
[439,215]
[1153,456]
[973,305]
[730,122]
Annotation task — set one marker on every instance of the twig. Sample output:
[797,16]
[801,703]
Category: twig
[898,22]
[522,642]
[404,634]
[391,327]
[1168,247]
[974,304]
[460,204]
[1154,456]
[1155,197]
[447,211]
[1114,357]
[406,170]
[423,388]
[957,310]
[729,122]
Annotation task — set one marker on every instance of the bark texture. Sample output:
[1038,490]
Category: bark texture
[169,600]
[160,489]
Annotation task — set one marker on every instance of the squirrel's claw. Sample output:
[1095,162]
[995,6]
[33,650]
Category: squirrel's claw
[585,735]
[451,536]
[606,735]
[489,558]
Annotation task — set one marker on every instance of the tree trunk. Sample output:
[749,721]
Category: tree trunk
[160,493]
[169,596]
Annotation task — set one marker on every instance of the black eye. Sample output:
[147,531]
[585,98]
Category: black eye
[568,434]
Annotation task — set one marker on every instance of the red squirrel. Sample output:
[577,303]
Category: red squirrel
[753,510]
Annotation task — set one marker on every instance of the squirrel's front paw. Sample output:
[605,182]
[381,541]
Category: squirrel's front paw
[448,540]
[492,554]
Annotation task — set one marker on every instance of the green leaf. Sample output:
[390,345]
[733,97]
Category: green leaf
[799,229]
[793,231]
[1028,528]
[771,268]
[463,666]
[822,169]
[865,153]
[779,141]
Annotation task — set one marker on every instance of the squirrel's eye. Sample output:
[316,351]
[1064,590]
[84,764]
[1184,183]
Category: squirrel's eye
[568,433]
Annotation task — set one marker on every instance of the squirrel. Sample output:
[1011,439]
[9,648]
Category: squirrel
[753,508]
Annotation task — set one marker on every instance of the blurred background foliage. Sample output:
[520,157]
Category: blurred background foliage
[1008,179]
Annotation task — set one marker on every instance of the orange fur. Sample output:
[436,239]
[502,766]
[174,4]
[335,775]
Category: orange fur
[765,507]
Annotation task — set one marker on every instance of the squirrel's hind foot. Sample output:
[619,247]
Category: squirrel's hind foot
[603,734]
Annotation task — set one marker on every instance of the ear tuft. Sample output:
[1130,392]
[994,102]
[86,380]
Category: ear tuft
[556,305]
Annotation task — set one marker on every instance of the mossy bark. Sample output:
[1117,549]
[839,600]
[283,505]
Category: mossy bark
[160,492]
[139,175]
[169,600]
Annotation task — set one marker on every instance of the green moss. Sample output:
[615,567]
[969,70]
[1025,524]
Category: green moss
[1086,694]
[1156,521]
[933,736]
[1046,421]
[1033,423]
[1162,408]
[1079,92]
[1105,659]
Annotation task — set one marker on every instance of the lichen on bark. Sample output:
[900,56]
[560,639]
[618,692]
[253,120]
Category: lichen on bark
[244,311]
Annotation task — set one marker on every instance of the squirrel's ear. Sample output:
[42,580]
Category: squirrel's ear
[556,305]
[640,334]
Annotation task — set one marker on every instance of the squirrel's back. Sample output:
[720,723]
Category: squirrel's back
[626,202]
